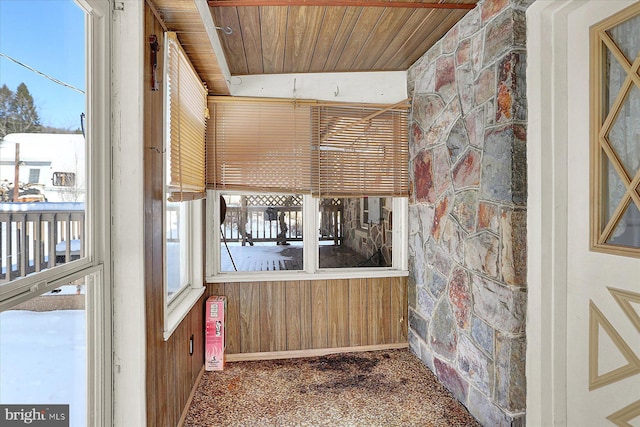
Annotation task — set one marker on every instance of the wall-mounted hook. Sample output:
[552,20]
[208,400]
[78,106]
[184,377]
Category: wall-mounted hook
[227,30]
[337,92]
[157,150]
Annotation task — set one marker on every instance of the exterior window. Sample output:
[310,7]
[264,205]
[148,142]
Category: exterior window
[293,233]
[64,179]
[54,303]
[261,232]
[34,176]
[354,234]
[616,134]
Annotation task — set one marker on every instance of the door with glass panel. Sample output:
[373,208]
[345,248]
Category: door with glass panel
[603,239]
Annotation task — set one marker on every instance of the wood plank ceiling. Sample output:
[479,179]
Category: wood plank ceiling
[310,36]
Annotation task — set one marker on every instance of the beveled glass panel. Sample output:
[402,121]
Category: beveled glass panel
[627,232]
[624,135]
[627,37]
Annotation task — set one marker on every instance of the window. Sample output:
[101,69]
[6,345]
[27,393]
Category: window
[184,172]
[285,234]
[52,254]
[615,211]
[287,180]
[34,176]
[64,179]
[261,232]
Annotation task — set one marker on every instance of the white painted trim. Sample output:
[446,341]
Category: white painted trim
[387,87]
[180,310]
[127,215]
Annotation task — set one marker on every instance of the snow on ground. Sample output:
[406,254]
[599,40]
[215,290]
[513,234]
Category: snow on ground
[259,257]
[43,360]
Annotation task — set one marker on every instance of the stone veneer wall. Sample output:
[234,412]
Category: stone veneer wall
[467,213]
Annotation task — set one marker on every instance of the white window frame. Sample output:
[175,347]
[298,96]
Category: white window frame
[189,292]
[311,271]
[98,228]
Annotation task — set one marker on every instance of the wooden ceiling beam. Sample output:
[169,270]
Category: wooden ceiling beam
[362,3]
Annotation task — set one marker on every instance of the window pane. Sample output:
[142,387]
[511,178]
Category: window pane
[43,352]
[42,222]
[176,249]
[627,232]
[261,232]
[355,232]
[625,132]
[627,37]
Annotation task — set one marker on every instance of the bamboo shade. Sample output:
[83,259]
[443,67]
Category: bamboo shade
[260,145]
[361,150]
[304,147]
[187,114]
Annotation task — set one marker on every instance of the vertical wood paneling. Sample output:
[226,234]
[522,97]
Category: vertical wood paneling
[272,316]
[170,371]
[376,312]
[306,320]
[293,308]
[250,317]
[319,313]
[358,308]
[398,309]
[338,313]
[305,315]
[232,317]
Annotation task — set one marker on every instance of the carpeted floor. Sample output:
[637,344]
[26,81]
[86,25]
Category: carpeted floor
[380,388]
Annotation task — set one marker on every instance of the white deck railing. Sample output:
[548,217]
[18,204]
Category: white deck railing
[37,236]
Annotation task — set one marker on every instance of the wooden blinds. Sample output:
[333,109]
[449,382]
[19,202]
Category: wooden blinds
[260,145]
[186,110]
[361,150]
[306,147]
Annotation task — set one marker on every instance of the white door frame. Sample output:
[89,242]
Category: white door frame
[547,222]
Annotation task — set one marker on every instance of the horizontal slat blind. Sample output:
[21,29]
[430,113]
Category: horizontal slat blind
[260,145]
[187,114]
[298,146]
[361,150]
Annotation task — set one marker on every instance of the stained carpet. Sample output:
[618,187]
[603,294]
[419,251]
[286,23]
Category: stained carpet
[380,388]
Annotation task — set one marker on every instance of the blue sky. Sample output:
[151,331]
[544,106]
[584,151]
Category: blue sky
[47,35]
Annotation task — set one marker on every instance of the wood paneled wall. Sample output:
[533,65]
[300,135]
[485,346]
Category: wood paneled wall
[170,372]
[306,315]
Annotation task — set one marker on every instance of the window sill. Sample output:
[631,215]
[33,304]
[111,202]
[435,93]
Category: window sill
[180,308]
[262,276]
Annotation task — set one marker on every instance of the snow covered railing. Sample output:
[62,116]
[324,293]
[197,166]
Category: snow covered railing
[37,236]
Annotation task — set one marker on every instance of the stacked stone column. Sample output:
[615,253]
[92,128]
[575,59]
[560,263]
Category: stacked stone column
[467,213]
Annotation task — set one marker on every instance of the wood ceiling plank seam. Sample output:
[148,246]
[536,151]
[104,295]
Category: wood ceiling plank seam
[251,34]
[437,32]
[342,37]
[317,38]
[394,49]
[302,25]
[360,32]
[332,25]
[231,43]
[378,28]
[273,23]
[404,33]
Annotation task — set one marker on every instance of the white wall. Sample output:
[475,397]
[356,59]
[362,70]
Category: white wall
[129,356]
[369,87]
